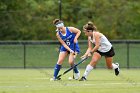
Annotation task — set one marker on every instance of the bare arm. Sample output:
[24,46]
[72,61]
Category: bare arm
[88,49]
[76,31]
[97,42]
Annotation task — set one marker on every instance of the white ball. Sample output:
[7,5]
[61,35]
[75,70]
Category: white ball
[70,78]
[51,79]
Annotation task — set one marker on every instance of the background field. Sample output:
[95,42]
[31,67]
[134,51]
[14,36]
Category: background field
[45,55]
[99,81]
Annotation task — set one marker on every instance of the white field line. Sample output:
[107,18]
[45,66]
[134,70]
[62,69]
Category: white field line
[103,84]
[67,84]
[41,78]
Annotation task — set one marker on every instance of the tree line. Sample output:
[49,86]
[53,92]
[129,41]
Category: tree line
[32,19]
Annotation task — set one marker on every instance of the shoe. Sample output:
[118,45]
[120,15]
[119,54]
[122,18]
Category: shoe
[117,70]
[83,79]
[76,75]
[54,79]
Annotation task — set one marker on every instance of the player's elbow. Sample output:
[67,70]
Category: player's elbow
[97,46]
[79,32]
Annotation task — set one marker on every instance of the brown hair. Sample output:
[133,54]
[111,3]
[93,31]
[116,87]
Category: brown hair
[56,21]
[89,26]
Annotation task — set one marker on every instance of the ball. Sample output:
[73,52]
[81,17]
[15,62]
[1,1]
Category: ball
[51,79]
[70,78]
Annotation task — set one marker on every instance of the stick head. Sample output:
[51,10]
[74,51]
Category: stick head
[58,77]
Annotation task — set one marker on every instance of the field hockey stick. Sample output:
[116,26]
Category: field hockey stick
[74,58]
[81,61]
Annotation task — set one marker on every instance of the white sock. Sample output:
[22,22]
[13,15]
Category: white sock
[88,70]
[114,66]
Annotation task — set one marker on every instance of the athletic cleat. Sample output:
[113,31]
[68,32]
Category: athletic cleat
[55,79]
[117,70]
[76,76]
[83,79]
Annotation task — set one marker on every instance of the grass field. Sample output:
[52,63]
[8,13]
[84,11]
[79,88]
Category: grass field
[38,80]
[99,81]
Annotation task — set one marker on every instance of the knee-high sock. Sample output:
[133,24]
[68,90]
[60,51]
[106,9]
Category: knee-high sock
[75,69]
[114,66]
[56,70]
[88,70]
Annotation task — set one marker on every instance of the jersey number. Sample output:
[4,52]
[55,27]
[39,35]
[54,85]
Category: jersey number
[68,42]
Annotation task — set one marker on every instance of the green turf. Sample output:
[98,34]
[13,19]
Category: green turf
[99,81]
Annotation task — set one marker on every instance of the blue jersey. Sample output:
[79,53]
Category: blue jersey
[68,38]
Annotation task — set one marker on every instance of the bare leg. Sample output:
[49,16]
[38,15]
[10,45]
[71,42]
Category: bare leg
[76,73]
[111,65]
[61,58]
[109,61]
[92,64]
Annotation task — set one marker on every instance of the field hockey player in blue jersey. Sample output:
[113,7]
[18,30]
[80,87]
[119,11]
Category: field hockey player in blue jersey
[68,38]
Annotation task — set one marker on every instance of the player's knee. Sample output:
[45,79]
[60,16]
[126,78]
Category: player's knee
[71,62]
[93,63]
[109,67]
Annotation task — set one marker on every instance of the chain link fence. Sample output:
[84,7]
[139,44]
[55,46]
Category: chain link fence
[44,54]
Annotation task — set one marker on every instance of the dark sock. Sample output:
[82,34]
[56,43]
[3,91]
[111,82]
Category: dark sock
[56,70]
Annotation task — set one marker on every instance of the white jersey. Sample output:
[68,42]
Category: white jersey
[105,45]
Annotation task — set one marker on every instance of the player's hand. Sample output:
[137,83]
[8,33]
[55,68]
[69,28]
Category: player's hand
[84,56]
[72,52]
[89,54]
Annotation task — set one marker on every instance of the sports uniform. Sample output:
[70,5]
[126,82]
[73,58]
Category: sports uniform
[68,38]
[105,48]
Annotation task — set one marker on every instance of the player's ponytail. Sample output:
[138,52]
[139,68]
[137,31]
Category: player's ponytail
[56,21]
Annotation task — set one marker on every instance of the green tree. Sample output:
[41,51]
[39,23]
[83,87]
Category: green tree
[32,19]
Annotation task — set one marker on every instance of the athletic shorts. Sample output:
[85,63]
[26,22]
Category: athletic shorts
[110,53]
[77,49]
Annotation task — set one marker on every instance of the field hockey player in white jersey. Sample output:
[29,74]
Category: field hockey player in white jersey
[102,47]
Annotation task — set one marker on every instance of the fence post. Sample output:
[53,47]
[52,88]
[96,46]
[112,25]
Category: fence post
[127,55]
[24,50]
[60,9]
